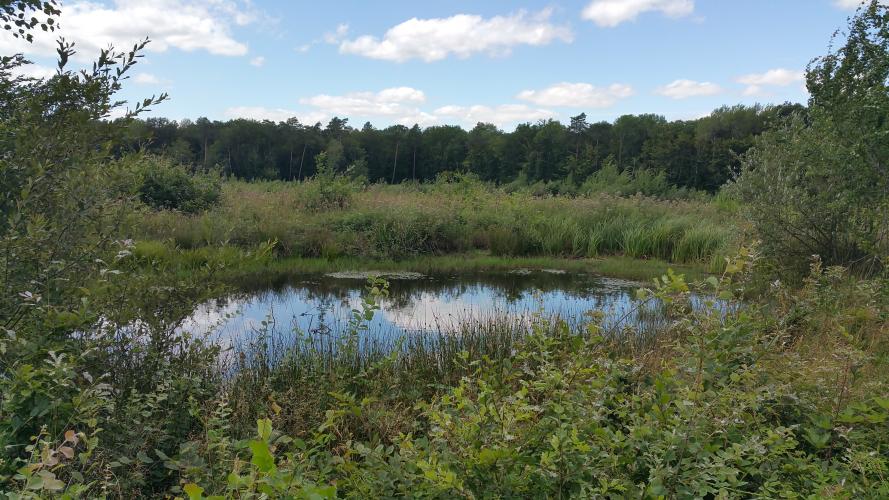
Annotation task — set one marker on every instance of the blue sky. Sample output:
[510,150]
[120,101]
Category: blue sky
[454,62]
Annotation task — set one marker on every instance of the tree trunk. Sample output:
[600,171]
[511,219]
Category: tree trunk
[396,163]
[302,158]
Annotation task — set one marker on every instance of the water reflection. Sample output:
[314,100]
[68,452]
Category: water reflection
[436,304]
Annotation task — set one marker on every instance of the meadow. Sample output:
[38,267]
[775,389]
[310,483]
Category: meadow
[413,223]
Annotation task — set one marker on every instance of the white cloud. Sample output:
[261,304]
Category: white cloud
[610,13]
[502,115]
[392,102]
[188,26]
[853,4]
[394,105]
[337,35]
[683,89]
[34,71]
[778,77]
[258,61]
[402,105]
[577,95]
[331,37]
[274,114]
[149,79]
[461,35]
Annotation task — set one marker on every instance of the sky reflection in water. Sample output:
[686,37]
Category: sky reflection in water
[436,304]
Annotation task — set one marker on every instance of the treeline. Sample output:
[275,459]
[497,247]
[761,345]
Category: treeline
[698,154]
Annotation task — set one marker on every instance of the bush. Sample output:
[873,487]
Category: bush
[172,187]
[327,190]
[818,185]
[611,181]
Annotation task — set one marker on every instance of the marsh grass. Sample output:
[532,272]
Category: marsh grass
[408,221]
[252,267]
[304,370]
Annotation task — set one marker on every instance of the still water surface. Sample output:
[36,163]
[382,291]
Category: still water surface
[428,304]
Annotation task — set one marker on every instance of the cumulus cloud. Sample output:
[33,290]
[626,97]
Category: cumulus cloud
[149,79]
[258,61]
[683,89]
[778,77]
[498,115]
[189,26]
[392,102]
[392,105]
[577,95]
[461,35]
[401,105]
[610,13]
[853,4]
[34,71]
[337,35]
[274,114]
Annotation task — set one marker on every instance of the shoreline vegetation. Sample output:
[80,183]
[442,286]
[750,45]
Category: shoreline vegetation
[447,226]
[239,266]
[767,375]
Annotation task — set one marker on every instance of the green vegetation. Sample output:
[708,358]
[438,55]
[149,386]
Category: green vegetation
[652,156]
[408,221]
[767,378]
[164,185]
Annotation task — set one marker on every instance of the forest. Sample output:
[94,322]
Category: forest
[211,310]
[697,154]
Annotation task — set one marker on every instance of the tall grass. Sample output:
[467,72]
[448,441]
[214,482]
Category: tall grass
[311,366]
[399,222]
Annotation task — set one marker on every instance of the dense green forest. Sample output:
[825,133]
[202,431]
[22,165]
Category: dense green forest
[761,236]
[699,154]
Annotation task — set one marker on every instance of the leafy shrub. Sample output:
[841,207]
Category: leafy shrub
[610,180]
[327,190]
[166,186]
[818,184]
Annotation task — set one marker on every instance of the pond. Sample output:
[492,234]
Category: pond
[419,305]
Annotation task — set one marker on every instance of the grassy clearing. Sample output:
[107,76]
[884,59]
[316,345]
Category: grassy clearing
[409,221]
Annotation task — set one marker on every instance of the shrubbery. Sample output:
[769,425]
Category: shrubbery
[818,185]
[168,186]
[327,190]
[729,402]
[777,395]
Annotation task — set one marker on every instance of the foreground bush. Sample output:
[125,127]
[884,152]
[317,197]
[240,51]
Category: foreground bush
[784,398]
[818,185]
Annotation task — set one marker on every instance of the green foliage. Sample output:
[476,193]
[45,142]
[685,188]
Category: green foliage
[610,180]
[817,185]
[695,155]
[457,213]
[168,186]
[20,17]
[327,190]
[726,410]
[778,395]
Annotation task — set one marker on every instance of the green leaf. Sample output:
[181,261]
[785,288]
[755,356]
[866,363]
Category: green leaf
[262,458]
[50,482]
[193,491]
[713,281]
[264,429]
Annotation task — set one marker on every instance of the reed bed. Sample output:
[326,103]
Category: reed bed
[400,222]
